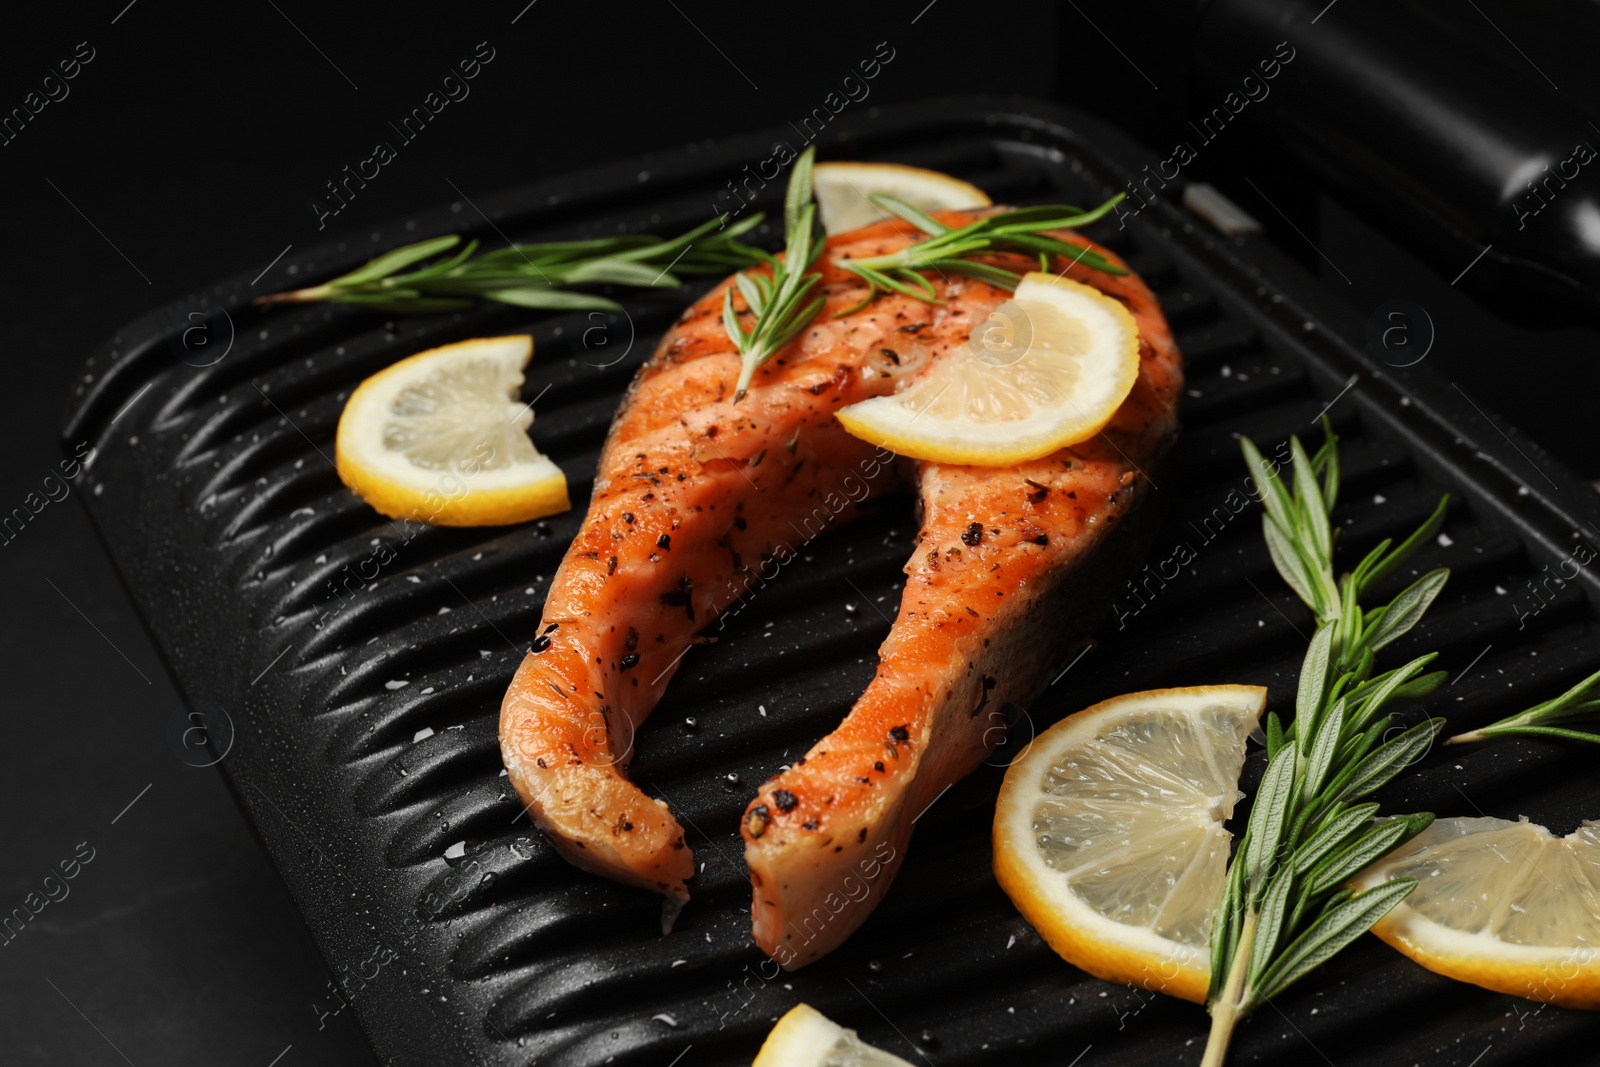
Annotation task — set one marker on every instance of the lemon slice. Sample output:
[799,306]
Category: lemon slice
[1108,832]
[807,1038]
[1504,905]
[1048,369]
[842,189]
[441,437]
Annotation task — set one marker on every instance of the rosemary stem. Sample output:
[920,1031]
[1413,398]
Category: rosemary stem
[1466,738]
[1503,727]
[296,296]
[1225,1010]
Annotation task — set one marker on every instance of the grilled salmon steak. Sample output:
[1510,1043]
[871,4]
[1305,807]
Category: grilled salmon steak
[1011,565]
[697,499]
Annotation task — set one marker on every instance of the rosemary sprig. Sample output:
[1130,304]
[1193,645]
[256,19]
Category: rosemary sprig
[950,250]
[531,275]
[780,300]
[1581,703]
[1284,910]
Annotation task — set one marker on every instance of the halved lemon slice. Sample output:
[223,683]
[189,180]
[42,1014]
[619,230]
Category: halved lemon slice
[1504,905]
[807,1038]
[1108,833]
[842,191]
[441,437]
[1048,369]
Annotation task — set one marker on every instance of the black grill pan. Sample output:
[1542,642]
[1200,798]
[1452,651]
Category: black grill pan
[362,665]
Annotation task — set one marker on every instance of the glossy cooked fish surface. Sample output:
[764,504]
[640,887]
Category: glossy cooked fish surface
[1011,564]
[696,497]
[697,500]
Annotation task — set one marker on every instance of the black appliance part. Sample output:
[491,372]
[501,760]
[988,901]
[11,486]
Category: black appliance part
[363,668]
[1452,150]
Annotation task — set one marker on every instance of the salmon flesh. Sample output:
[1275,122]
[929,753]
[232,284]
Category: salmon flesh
[695,495]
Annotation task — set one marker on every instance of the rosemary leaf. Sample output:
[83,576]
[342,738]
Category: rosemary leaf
[784,303]
[1557,732]
[798,195]
[1271,810]
[399,259]
[1375,694]
[951,250]
[1225,927]
[1397,559]
[1309,498]
[1314,680]
[1581,703]
[1338,868]
[1274,734]
[1269,927]
[1340,827]
[547,299]
[1331,932]
[1320,759]
[1406,610]
[1274,497]
[1376,770]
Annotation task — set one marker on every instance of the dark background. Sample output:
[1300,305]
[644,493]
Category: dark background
[191,147]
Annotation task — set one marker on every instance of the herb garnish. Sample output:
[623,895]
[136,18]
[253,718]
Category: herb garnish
[1285,911]
[780,301]
[948,249]
[531,275]
[783,299]
[1581,703]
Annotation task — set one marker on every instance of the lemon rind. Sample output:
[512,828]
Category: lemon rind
[961,195]
[399,490]
[1564,975]
[804,1036]
[885,421]
[1113,951]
